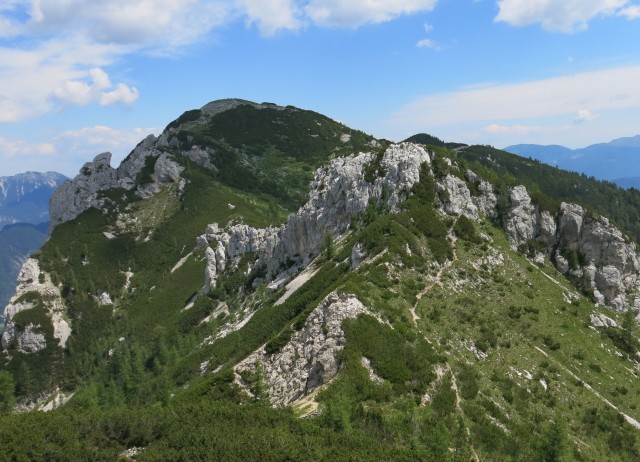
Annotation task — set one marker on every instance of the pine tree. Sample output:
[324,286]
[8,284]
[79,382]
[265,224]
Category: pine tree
[7,393]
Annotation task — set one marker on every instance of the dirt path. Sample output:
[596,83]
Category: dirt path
[454,387]
[438,278]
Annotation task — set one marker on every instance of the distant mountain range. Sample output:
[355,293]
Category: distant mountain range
[17,242]
[24,221]
[24,198]
[617,161]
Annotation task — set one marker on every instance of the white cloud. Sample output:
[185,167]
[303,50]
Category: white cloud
[122,94]
[28,77]
[273,15]
[353,13]
[427,43]
[584,115]
[101,138]
[555,15]
[561,96]
[630,12]
[428,27]
[154,23]
[11,148]
[80,92]
[58,42]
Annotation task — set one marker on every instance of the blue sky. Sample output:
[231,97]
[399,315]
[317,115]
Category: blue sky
[79,77]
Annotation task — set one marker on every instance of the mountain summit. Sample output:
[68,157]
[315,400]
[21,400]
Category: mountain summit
[262,282]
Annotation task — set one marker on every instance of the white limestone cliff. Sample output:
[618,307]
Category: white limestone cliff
[310,358]
[338,192]
[35,286]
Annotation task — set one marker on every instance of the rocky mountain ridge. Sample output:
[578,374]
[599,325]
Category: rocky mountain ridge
[406,297]
[603,260]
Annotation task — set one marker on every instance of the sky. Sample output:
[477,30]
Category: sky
[80,77]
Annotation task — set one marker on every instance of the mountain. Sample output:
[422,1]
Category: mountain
[614,161]
[17,242]
[263,283]
[24,198]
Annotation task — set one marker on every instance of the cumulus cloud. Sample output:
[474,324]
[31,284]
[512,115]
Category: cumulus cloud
[271,16]
[28,77]
[630,12]
[556,15]
[101,138]
[80,92]
[65,151]
[551,109]
[155,23]
[60,41]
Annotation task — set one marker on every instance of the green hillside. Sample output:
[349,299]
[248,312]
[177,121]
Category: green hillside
[468,351]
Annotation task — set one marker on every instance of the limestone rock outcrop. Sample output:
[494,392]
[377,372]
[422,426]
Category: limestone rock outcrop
[75,196]
[457,197]
[602,259]
[526,222]
[611,263]
[338,192]
[34,286]
[309,359]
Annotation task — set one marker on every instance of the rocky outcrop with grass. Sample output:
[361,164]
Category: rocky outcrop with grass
[308,360]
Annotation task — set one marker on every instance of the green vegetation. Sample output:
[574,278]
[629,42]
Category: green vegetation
[469,352]
[622,206]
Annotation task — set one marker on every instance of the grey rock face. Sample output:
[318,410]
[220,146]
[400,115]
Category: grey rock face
[486,202]
[357,256]
[521,223]
[612,263]
[167,170]
[338,192]
[309,360]
[458,198]
[75,196]
[526,222]
[222,105]
[30,340]
[600,320]
[32,280]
